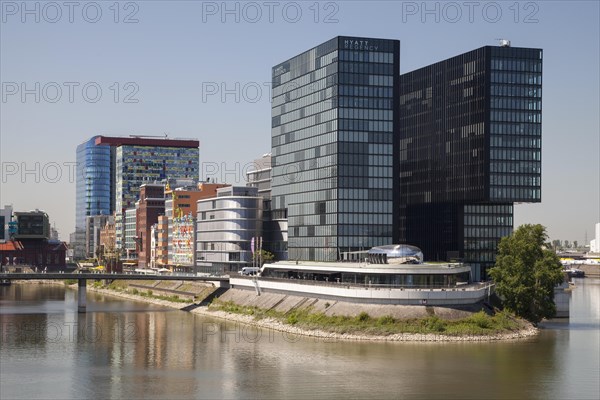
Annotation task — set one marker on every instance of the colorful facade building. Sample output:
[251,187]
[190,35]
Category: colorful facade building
[162,242]
[181,199]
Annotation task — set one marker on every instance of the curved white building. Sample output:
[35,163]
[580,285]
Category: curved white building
[225,227]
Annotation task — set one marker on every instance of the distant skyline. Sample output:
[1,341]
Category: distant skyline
[198,70]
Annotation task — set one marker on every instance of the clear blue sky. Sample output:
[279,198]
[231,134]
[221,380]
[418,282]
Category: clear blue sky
[179,50]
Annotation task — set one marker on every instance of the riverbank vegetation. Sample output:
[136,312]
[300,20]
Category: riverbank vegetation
[121,287]
[477,324]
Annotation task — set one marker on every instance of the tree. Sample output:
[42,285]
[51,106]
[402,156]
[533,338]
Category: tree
[526,273]
[265,256]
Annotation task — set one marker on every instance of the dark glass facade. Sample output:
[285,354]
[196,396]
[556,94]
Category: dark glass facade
[334,125]
[469,147]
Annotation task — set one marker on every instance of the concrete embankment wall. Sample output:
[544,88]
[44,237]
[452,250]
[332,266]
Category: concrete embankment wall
[444,297]
[192,290]
[285,302]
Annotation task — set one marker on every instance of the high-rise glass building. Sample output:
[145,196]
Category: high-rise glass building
[469,148]
[93,188]
[334,126]
[112,169]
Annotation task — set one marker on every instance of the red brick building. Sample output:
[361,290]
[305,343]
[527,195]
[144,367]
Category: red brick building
[38,254]
[149,207]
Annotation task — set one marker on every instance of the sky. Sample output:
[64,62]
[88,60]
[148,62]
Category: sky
[202,69]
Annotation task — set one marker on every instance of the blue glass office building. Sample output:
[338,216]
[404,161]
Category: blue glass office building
[93,187]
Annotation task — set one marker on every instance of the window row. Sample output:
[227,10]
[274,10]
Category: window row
[515,180]
[365,91]
[517,155]
[294,101]
[488,209]
[516,116]
[516,129]
[473,257]
[508,64]
[309,121]
[307,197]
[365,102]
[359,113]
[364,206]
[487,232]
[366,56]
[362,219]
[358,171]
[312,208]
[365,125]
[519,142]
[365,230]
[515,103]
[291,93]
[364,160]
[366,68]
[475,244]
[520,167]
[365,194]
[293,153]
[372,183]
[364,79]
[515,194]
[314,230]
[488,220]
[281,135]
[362,242]
[303,112]
[365,137]
[516,91]
[290,189]
[298,78]
[516,78]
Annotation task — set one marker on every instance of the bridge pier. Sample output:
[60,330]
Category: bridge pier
[81,295]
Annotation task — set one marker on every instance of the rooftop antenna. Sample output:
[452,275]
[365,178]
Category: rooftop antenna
[503,42]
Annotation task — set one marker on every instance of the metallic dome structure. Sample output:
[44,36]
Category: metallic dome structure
[395,254]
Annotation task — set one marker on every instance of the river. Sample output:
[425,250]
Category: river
[125,349]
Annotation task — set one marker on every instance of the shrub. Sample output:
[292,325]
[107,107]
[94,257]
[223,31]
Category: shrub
[292,319]
[386,320]
[482,320]
[433,323]
[363,317]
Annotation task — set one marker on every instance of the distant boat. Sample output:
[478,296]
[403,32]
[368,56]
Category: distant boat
[5,282]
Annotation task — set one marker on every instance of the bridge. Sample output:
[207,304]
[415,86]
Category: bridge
[83,277]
